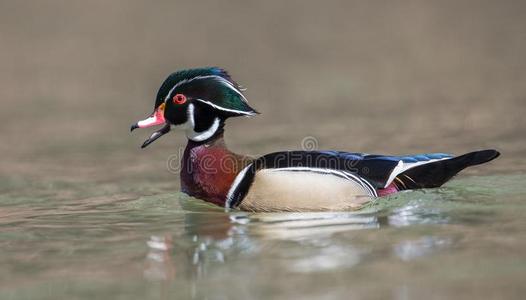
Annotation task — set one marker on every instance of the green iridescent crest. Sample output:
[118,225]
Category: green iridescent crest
[211,86]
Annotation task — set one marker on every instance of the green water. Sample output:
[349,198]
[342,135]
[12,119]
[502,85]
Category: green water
[465,240]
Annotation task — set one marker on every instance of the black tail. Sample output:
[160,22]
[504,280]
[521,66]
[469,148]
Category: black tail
[437,173]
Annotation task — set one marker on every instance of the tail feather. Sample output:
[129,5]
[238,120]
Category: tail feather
[437,173]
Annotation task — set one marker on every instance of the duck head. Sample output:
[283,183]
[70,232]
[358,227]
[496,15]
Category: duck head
[197,101]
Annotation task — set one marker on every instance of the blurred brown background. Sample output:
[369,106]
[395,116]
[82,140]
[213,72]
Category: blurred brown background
[391,77]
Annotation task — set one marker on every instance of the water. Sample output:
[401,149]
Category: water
[466,239]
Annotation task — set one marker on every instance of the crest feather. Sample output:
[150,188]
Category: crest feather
[211,86]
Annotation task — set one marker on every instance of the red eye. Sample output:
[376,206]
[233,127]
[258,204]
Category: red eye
[179,99]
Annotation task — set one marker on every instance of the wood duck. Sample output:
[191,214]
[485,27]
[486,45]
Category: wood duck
[199,101]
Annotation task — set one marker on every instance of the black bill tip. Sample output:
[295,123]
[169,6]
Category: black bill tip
[157,134]
[134,126]
[146,143]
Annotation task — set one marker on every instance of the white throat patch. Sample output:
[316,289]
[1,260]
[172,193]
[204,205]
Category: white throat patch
[190,127]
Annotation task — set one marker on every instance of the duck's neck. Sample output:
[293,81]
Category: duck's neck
[209,168]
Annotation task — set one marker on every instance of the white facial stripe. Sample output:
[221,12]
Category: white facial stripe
[234,186]
[216,77]
[190,127]
[190,116]
[248,113]
[232,87]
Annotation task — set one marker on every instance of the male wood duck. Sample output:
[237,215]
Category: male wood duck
[199,101]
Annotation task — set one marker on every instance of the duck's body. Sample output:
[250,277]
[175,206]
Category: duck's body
[200,101]
[310,180]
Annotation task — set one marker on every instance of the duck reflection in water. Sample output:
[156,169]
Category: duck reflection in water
[215,237]
[216,244]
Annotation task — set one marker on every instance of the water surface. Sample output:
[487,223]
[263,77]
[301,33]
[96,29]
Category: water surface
[466,239]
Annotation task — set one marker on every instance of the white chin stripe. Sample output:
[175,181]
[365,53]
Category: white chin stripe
[199,136]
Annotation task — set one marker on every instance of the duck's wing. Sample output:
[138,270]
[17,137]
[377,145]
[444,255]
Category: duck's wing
[410,171]
[382,170]
[436,171]
[378,170]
